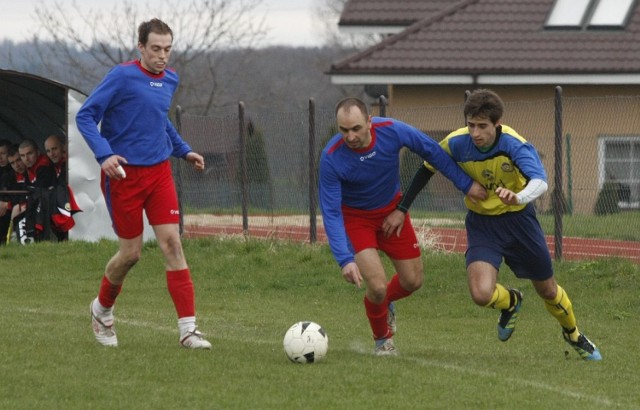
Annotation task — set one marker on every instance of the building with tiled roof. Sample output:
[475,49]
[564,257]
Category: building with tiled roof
[491,42]
[436,50]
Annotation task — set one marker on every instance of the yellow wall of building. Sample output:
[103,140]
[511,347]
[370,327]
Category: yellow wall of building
[589,113]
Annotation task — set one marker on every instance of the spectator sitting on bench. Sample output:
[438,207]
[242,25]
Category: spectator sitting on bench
[54,146]
[15,181]
[5,172]
[40,180]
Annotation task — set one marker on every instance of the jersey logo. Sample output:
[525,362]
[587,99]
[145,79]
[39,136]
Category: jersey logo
[488,175]
[506,167]
[368,156]
[155,84]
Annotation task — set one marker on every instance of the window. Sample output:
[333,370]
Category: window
[611,13]
[568,13]
[591,14]
[620,164]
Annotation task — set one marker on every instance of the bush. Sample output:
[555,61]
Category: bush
[608,198]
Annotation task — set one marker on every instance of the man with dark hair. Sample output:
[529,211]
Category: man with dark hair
[133,147]
[504,225]
[40,172]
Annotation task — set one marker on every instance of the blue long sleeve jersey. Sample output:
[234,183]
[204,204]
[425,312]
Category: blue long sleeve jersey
[369,179]
[132,105]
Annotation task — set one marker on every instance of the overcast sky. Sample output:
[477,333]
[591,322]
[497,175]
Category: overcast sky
[290,22]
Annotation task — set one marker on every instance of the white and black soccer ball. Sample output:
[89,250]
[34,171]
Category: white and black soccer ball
[306,342]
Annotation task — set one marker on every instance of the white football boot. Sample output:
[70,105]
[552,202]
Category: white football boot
[103,328]
[194,340]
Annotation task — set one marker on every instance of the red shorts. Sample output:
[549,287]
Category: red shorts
[145,188]
[364,229]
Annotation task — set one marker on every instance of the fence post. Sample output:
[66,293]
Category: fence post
[179,172]
[467,93]
[557,200]
[569,176]
[244,179]
[382,101]
[313,185]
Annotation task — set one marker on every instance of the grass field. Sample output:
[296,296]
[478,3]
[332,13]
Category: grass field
[249,292]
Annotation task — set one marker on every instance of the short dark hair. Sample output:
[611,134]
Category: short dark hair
[152,26]
[5,143]
[484,103]
[349,102]
[13,150]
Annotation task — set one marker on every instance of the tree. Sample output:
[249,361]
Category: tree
[608,198]
[258,175]
[328,12]
[78,45]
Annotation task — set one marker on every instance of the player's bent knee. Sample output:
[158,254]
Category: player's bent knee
[130,259]
[480,298]
[377,293]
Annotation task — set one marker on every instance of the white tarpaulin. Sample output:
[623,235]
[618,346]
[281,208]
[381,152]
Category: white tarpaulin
[35,107]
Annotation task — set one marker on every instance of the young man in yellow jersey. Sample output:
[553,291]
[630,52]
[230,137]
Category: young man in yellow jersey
[504,225]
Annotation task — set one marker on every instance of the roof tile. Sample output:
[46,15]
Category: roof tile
[490,36]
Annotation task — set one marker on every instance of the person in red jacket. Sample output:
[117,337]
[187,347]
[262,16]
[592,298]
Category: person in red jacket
[16,204]
[40,173]
[65,205]
[54,146]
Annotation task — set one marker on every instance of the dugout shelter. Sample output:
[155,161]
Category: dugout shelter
[36,107]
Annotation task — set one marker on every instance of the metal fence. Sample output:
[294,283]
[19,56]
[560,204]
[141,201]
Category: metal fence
[262,166]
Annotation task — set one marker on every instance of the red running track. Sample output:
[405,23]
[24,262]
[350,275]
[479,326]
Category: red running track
[446,239]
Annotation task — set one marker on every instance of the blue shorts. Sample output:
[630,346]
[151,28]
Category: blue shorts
[515,236]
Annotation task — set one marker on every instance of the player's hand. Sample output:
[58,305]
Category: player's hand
[4,206]
[477,192]
[351,274]
[507,196]
[111,164]
[393,223]
[196,159]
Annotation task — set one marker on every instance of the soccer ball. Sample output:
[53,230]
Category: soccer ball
[305,342]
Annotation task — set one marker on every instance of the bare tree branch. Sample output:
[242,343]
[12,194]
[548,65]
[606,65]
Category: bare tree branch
[78,45]
[328,15]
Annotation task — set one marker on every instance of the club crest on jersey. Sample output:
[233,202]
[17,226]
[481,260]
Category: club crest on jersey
[506,167]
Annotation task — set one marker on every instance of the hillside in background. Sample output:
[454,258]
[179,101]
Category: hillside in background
[274,79]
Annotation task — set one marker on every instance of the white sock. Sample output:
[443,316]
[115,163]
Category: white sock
[101,311]
[186,325]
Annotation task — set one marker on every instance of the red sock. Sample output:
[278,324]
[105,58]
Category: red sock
[377,315]
[395,290]
[181,291]
[108,293]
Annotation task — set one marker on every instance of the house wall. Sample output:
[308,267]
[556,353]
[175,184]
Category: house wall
[589,112]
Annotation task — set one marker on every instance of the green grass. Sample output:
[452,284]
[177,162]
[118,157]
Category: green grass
[249,293]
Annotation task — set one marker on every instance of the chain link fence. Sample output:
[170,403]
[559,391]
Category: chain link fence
[261,168]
